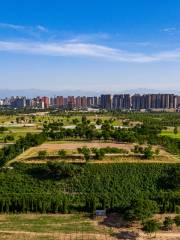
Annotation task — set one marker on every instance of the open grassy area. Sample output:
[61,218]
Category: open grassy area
[17,131]
[170,134]
[49,226]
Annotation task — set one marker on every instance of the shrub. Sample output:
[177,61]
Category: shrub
[62,153]
[167,224]
[151,226]
[177,220]
[42,154]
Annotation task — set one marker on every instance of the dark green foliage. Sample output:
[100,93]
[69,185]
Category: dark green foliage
[9,138]
[175,130]
[30,140]
[141,209]
[60,187]
[111,150]
[62,153]
[3,129]
[177,220]
[99,153]
[167,224]
[63,170]
[148,153]
[42,154]
[85,151]
[151,226]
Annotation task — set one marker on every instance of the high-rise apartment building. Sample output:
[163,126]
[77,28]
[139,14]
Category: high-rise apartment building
[118,102]
[71,103]
[106,101]
[46,102]
[59,101]
[84,102]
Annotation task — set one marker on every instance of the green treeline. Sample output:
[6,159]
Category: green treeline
[60,187]
[11,151]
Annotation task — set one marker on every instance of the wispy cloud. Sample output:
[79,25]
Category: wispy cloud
[12,26]
[94,45]
[170,30]
[29,30]
[87,50]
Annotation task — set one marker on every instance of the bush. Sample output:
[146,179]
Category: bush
[151,226]
[148,153]
[86,152]
[42,154]
[167,224]
[177,220]
[62,153]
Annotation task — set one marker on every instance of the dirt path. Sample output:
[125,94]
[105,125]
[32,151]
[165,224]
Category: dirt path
[88,236]
[74,146]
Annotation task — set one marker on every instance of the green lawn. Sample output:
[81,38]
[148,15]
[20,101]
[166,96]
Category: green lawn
[170,134]
[49,227]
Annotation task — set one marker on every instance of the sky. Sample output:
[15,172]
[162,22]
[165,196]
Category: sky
[112,45]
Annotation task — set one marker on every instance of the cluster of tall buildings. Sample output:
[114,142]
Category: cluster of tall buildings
[105,101]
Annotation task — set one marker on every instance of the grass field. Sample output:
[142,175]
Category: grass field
[73,227]
[49,226]
[170,134]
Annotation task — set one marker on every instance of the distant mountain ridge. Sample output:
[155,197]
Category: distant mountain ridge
[39,92]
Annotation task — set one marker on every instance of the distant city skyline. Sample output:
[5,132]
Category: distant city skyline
[104,101]
[90,45]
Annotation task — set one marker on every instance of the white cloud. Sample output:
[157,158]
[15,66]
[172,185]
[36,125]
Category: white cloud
[41,28]
[87,50]
[26,29]
[12,26]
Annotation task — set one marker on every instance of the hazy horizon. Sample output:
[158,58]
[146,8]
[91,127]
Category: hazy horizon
[77,92]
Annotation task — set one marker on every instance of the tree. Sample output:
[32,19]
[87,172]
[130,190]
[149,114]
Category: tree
[86,152]
[151,226]
[83,119]
[175,130]
[42,154]
[62,153]
[141,209]
[99,153]
[99,121]
[148,153]
[167,224]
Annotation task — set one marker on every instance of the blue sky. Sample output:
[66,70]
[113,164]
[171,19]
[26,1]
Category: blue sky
[90,44]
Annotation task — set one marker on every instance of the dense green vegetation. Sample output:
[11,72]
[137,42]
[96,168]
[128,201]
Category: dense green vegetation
[135,190]
[58,187]
[9,152]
